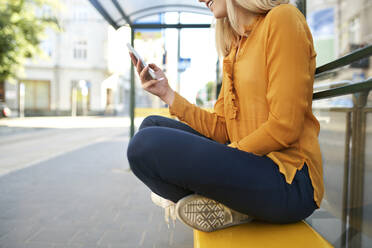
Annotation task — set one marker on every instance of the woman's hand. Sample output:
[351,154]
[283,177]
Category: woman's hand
[158,87]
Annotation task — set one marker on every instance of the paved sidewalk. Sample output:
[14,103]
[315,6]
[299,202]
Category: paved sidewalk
[85,198]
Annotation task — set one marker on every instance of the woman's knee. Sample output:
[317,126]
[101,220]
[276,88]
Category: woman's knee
[140,145]
[136,145]
[149,121]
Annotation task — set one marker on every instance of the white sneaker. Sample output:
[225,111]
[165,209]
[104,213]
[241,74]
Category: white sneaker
[207,215]
[169,207]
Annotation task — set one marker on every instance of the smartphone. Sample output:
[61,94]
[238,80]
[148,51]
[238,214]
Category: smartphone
[138,57]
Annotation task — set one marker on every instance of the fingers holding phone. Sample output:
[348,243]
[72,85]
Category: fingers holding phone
[137,58]
[158,86]
[137,63]
[133,58]
[153,79]
[144,75]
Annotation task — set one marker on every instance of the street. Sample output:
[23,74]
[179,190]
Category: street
[66,182]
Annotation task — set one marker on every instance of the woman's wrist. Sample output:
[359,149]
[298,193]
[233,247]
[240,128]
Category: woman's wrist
[168,97]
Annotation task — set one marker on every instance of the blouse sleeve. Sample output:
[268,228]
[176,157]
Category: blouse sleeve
[211,125]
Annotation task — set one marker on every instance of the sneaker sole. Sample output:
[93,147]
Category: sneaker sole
[202,213]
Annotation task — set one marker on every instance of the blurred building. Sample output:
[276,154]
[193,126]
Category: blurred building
[338,28]
[73,78]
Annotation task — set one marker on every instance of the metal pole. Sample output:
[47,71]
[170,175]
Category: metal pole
[345,189]
[132,90]
[357,170]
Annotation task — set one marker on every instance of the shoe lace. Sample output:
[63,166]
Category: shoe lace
[169,207]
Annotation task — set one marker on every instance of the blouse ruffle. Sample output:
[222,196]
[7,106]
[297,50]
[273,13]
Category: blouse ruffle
[229,94]
[228,67]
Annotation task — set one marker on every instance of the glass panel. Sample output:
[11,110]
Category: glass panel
[171,18]
[151,45]
[108,6]
[189,71]
[197,66]
[328,219]
[193,18]
[367,208]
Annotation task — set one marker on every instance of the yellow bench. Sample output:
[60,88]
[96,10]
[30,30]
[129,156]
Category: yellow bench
[258,234]
[143,112]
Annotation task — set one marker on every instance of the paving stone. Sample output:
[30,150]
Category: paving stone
[59,234]
[3,232]
[129,237]
[182,235]
[20,234]
[88,237]
[108,225]
[8,214]
[155,238]
[76,214]
[122,246]
[17,244]
[142,219]
[70,246]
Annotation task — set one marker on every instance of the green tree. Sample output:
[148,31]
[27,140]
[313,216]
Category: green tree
[22,26]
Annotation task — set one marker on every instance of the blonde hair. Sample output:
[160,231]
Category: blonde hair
[227,28]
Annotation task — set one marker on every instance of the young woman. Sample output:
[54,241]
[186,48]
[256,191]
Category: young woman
[257,155]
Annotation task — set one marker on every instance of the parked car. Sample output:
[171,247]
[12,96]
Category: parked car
[4,110]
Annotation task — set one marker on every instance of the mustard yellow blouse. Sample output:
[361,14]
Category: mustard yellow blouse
[265,103]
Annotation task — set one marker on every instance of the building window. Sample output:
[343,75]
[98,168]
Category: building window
[80,97]
[80,50]
[36,95]
[47,47]
[2,91]
[354,31]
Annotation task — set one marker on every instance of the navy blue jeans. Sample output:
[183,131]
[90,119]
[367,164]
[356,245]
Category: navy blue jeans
[174,160]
